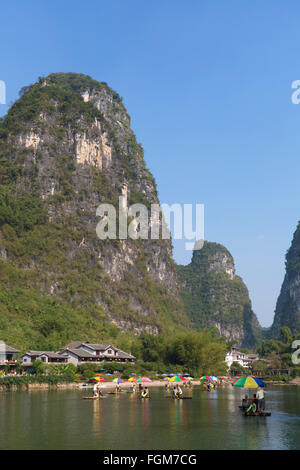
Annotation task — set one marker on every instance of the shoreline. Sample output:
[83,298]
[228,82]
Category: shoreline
[78,385]
[111,386]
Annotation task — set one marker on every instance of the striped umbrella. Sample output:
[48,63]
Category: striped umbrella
[118,380]
[205,377]
[97,379]
[143,379]
[235,380]
[249,382]
[132,379]
[177,378]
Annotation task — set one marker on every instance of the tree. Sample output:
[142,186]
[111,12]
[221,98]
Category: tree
[198,353]
[259,365]
[38,367]
[236,368]
[286,335]
[274,360]
[153,347]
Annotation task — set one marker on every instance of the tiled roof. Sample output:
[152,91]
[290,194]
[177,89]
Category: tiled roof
[8,349]
[53,355]
[73,345]
[78,352]
[98,347]
[124,355]
[38,353]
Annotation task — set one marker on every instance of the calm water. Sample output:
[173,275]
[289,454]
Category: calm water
[62,420]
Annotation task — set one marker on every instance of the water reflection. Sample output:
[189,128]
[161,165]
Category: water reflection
[62,420]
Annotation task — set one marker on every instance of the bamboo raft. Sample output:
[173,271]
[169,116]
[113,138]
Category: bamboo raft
[92,398]
[263,414]
[180,398]
[260,413]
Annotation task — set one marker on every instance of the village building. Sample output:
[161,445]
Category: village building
[8,358]
[7,354]
[78,356]
[79,352]
[245,360]
[48,357]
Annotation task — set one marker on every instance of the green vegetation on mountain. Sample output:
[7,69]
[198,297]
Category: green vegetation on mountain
[66,146]
[214,296]
[287,311]
[57,277]
[279,354]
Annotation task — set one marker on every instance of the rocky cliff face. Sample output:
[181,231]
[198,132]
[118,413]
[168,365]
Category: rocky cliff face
[66,146]
[287,311]
[214,296]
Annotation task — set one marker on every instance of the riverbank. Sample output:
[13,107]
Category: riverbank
[79,385]
[28,383]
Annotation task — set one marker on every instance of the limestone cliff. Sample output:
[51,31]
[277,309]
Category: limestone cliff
[287,311]
[214,296]
[66,146]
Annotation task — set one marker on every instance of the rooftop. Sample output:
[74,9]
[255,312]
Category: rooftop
[77,352]
[8,349]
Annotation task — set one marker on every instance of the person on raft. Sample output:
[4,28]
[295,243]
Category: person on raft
[253,405]
[145,393]
[245,403]
[100,394]
[95,389]
[261,399]
[177,392]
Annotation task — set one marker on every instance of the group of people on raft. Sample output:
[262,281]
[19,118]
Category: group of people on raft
[256,404]
[209,386]
[143,392]
[176,390]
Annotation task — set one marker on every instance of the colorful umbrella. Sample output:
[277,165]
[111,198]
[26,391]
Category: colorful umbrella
[143,379]
[213,377]
[118,380]
[97,379]
[249,382]
[221,377]
[177,378]
[132,379]
[205,377]
[166,378]
[235,380]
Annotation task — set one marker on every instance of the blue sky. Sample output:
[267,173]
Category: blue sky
[208,87]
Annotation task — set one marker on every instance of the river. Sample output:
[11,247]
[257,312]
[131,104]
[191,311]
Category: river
[63,420]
